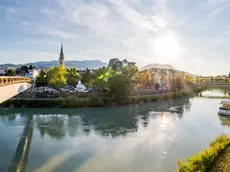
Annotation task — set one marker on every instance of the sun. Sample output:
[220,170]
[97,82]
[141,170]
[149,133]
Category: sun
[167,46]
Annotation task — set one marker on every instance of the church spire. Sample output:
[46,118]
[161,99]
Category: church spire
[61,50]
[61,58]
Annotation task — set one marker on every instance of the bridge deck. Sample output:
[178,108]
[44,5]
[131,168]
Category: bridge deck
[7,80]
[11,86]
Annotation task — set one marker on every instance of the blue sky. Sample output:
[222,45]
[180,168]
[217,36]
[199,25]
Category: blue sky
[191,35]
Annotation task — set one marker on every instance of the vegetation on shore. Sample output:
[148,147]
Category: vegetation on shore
[60,77]
[74,102]
[120,86]
[222,162]
[203,161]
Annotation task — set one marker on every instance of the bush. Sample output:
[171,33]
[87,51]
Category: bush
[95,101]
[120,88]
[167,96]
[202,161]
[134,100]
[154,98]
[73,102]
[144,99]
[18,103]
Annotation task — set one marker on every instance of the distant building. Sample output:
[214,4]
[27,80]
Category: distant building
[32,74]
[161,76]
[29,72]
[115,62]
[81,71]
[21,71]
[61,58]
[3,71]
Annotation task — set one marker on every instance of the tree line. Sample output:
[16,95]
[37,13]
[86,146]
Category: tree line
[120,83]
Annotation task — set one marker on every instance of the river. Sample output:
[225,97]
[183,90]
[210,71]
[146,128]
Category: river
[136,138]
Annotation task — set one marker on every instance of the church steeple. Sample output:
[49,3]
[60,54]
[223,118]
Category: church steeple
[61,58]
[61,50]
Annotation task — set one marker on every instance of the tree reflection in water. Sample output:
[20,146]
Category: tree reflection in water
[52,125]
[172,106]
[107,121]
[113,122]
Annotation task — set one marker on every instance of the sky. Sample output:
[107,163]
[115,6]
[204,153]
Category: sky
[190,35]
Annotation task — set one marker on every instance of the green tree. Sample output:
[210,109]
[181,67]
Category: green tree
[177,84]
[102,76]
[188,80]
[130,71]
[114,67]
[41,79]
[11,72]
[72,77]
[56,77]
[120,87]
[86,77]
[144,79]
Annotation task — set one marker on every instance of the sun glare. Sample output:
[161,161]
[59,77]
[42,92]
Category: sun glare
[167,46]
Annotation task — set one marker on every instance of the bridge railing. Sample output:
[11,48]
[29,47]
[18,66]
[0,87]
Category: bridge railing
[212,83]
[7,80]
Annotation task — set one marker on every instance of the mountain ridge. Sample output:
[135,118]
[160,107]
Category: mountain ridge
[92,64]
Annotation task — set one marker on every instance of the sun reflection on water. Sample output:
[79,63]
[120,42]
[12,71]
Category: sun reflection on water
[167,121]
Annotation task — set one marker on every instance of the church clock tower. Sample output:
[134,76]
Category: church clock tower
[61,58]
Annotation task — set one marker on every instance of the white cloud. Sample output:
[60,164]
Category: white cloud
[116,23]
[94,16]
[137,19]
[12,10]
[219,9]
[126,29]
[159,21]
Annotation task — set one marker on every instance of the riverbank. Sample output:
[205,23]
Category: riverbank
[222,162]
[75,102]
[215,158]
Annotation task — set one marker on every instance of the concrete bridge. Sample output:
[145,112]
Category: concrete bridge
[11,86]
[212,81]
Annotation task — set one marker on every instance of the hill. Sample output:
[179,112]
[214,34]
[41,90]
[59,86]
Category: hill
[91,64]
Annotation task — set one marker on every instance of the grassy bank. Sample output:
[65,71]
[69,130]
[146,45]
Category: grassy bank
[203,161]
[74,102]
[222,162]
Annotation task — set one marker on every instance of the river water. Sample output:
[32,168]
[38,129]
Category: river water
[136,138]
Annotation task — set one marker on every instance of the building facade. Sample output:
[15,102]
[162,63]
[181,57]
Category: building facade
[32,74]
[118,64]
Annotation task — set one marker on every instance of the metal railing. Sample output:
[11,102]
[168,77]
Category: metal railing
[7,80]
[211,83]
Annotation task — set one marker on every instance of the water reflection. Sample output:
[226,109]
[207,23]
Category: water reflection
[52,125]
[216,92]
[167,121]
[110,122]
[224,120]
[176,107]
[20,157]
